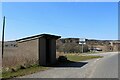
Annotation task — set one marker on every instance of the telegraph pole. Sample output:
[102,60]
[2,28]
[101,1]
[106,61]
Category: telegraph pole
[3,36]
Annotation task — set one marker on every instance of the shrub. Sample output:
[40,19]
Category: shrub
[14,69]
[62,59]
[71,48]
[23,66]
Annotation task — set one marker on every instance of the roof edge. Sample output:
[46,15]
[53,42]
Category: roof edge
[38,36]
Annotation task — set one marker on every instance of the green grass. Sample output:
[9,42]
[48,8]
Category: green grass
[81,57]
[93,52]
[22,72]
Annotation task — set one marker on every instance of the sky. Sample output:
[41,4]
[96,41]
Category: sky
[60,0]
[91,20]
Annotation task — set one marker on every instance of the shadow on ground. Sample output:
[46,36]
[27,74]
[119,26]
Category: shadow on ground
[69,64]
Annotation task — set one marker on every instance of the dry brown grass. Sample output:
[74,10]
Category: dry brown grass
[12,58]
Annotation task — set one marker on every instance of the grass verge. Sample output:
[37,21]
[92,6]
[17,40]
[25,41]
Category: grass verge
[22,72]
[93,52]
[81,57]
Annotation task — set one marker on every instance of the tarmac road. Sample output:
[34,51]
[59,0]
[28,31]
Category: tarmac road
[106,67]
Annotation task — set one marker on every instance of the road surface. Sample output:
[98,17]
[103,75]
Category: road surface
[106,67]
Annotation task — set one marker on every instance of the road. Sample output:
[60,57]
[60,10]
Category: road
[106,67]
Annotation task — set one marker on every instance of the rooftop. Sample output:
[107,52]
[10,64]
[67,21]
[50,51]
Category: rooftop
[48,36]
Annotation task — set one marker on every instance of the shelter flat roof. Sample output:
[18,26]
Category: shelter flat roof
[48,36]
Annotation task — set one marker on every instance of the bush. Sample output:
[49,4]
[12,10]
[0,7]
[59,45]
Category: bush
[23,67]
[62,59]
[71,48]
[14,69]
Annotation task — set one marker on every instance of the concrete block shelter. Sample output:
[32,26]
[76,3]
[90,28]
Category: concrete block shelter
[44,45]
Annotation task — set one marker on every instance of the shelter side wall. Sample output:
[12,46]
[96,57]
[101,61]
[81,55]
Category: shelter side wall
[26,53]
[29,51]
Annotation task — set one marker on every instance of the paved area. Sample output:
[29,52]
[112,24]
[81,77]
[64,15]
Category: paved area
[106,67]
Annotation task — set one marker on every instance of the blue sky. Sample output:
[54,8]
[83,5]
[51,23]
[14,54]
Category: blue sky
[93,20]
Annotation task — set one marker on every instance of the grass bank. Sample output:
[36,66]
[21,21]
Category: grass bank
[22,72]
